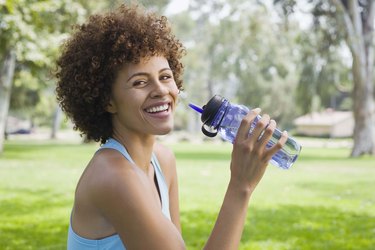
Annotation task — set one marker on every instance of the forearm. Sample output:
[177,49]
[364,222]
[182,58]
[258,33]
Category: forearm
[229,225]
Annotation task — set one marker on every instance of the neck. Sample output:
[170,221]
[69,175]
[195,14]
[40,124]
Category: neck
[140,147]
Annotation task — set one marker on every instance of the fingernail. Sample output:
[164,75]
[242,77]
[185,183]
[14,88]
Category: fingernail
[257,110]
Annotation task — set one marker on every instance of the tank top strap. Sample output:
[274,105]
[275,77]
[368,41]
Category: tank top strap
[163,188]
[164,193]
[114,144]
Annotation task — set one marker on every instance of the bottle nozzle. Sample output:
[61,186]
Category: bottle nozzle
[196,108]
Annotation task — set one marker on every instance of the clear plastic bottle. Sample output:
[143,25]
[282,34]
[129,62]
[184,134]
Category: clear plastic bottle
[220,116]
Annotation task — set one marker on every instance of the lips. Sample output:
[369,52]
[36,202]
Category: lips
[158,108]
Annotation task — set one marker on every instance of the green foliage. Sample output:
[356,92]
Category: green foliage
[35,30]
[34,26]
[25,91]
[266,67]
[95,6]
[325,71]
[235,49]
[325,201]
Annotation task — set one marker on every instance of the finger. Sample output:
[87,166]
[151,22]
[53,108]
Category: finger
[268,131]
[259,128]
[279,144]
[243,130]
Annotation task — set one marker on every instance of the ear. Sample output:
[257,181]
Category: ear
[111,107]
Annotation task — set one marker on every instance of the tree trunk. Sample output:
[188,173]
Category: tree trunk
[363,63]
[360,42]
[363,111]
[7,67]
[56,122]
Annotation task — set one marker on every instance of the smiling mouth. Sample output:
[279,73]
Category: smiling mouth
[158,109]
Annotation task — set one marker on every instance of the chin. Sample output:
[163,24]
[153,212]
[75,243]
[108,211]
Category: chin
[164,131]
[165,128]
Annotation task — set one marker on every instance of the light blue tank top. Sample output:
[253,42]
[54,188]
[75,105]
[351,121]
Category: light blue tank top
[76,242]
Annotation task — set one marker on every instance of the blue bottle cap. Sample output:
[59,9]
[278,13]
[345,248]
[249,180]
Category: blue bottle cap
[211,108]
[196,108]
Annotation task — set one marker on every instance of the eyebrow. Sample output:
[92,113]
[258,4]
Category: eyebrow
[146,74]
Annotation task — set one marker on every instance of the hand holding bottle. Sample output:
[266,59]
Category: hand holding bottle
[221,116]
[250,156]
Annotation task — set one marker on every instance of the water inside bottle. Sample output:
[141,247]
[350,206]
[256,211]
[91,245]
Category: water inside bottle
[284,158]
[227,120]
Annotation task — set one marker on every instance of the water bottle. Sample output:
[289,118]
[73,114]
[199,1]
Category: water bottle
[221,116]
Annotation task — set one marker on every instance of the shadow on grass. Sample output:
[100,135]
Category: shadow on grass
[49,235]
[35,151]
[292,226]
[32,219]
[196,156]
[26,201]
[63,155]
[289,227]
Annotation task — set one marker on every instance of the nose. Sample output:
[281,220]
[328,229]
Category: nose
[159,89]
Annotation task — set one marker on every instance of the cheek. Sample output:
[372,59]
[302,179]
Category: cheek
[174,90]
[174,93]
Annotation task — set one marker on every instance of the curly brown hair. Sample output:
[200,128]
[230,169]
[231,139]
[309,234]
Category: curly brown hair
[93,55]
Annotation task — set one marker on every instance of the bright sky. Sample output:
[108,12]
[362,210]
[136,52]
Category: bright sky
[177,6]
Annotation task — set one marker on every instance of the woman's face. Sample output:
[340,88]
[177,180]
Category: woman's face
[144,97]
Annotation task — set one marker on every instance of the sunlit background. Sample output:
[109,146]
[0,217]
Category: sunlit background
[309,64]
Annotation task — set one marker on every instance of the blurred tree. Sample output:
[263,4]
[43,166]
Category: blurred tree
[244,55]
[153,5]
[324,74]
[265,65]
[351,21]
[7,65]
[30,33]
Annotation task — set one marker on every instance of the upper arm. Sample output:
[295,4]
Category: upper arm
[123,195]
[167,161]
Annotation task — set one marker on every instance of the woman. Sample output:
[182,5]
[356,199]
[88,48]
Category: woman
[119,76]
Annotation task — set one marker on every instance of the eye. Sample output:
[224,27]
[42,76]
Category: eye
[139,84]
[166,77]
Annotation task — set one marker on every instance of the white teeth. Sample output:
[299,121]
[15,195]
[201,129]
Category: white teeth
[157,109]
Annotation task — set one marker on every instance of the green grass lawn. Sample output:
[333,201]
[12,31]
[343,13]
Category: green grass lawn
[325,201]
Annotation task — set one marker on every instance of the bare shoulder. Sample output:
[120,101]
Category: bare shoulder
[167,162]
[109,177]
[122,194]
[163,153]
[107,170]
[116,182]
[111,168]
